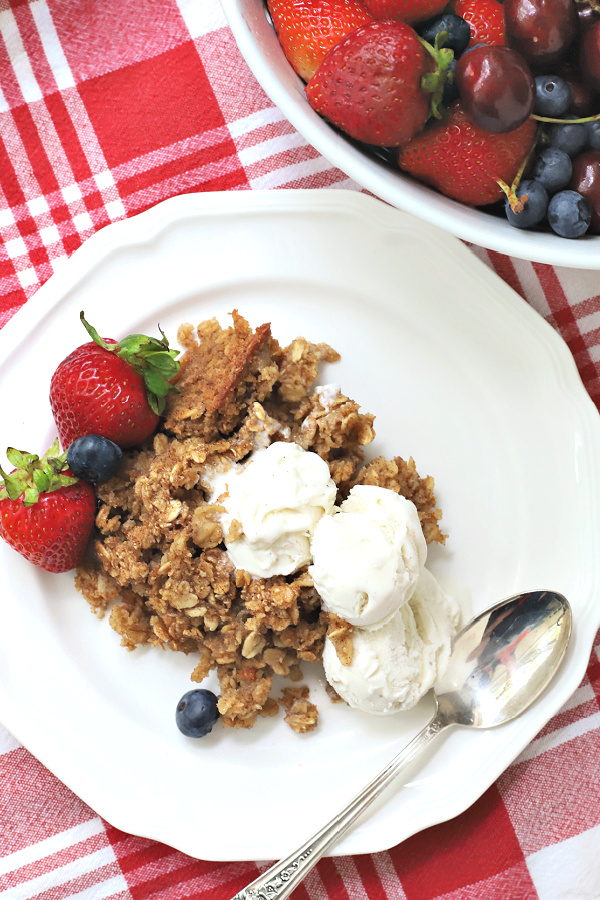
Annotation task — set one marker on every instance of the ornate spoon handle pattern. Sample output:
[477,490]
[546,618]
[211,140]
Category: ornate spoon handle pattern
[278,882]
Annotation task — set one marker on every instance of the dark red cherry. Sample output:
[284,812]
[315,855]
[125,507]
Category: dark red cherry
[541,30]
[589,55]
[586,181]
[496,87]
[584,100]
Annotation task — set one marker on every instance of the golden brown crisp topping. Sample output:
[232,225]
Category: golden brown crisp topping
[161,565]
[339,633]
[301,715]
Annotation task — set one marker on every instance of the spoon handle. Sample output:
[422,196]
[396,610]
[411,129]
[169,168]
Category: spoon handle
[283,877]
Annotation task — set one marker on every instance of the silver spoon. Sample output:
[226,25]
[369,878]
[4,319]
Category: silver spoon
[500,663]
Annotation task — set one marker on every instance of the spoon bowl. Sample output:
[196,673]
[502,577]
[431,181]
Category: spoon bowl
[499,664]
[503,659]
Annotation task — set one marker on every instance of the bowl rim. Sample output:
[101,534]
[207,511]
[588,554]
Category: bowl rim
[257,42]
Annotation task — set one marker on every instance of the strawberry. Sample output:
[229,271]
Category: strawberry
[409,11]
[465,162]
[46,514]
[486,18]
[379,83]
[308,29]
[116,390]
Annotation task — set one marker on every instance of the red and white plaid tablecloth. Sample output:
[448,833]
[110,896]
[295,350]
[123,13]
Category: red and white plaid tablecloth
[106,108]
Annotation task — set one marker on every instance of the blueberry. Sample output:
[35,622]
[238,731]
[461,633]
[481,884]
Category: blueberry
[94,458]
[569,214]
[570,138]
[534,208]
[552,96]
[458,31]
[197,713]
[594,134]
[553,168]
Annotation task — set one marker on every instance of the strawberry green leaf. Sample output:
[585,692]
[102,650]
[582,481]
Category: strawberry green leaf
[54,451]
[94,334]
[30,496]
[132,344]
[433,82]
[156,383]
[156,404]
[41,480]
[14,483]
[19,458]
[149,357]
[34,476]
[164,364]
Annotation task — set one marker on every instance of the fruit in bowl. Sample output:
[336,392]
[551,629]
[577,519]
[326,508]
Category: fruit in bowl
[329,123]
[468,119]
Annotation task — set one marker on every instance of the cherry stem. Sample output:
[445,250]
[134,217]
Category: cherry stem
[565,121]
[517,203]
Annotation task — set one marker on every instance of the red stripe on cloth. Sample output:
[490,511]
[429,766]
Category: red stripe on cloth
[566,322]
[11,186]
[34,49]
[34,148]
[280,160]
[262,133]
[505,268]
[53,861]
[186,148]
[206,178]
[102,37]
[152,868]
[90,881]
[135,853]
[512,884]
[593,670]
[556,795]
[68,136]
[122,104]
[14,4]
[31,794]
[10,85]
[562,719]
[209,156]
[476,845]
[587,307]
[370,878]
[237,91]
[316,180]
[332,880]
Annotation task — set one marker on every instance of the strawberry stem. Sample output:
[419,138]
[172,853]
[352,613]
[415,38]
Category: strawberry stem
[34,476]
[433,82]
[149,357]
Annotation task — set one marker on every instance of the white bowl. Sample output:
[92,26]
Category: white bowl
[259,46]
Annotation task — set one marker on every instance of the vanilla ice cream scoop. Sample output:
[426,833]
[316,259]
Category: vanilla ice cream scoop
[275,500]
[437,617]
[395,665]
[368,556]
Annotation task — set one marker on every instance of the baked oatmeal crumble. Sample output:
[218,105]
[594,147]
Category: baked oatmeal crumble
[161,566]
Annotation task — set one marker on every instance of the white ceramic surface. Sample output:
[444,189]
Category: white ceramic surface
[258,44]
[469,380]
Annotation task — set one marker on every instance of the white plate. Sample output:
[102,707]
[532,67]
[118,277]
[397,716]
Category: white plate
[258,44]
[461,373]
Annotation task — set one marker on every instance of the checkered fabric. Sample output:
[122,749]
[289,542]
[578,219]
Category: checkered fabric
[106,108]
